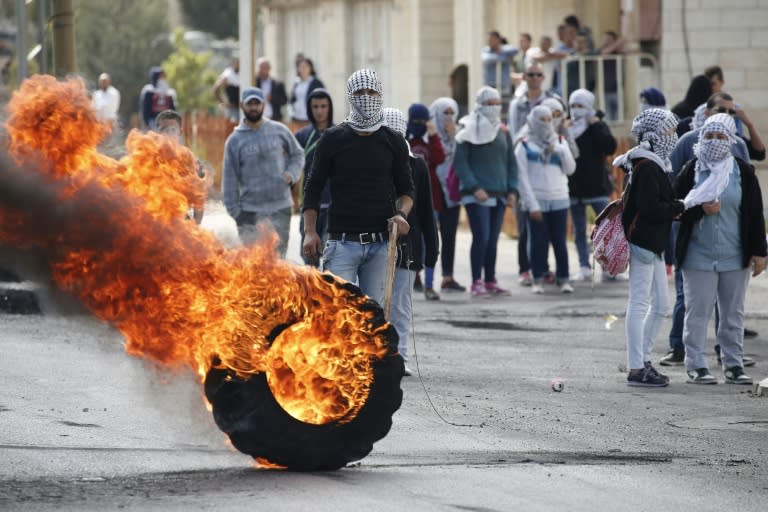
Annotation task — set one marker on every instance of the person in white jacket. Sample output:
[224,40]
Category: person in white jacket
[544,162]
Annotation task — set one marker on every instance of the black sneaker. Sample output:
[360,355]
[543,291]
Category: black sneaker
[749,333]
[647,377]
[736,375]
[701,376]
[417,286]
[452,286]
[673,358]
[745,360]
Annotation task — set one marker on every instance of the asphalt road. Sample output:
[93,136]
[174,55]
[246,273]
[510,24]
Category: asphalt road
[83,426]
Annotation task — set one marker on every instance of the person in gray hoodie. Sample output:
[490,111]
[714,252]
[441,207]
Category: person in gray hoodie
[262,160]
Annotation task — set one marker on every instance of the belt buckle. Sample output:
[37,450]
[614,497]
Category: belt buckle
[367,238]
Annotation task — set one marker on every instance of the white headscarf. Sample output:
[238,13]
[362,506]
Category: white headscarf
[580,115]
[699,116]
[541,132]
[651,127]
[713,155]
[437,111]
[482,125]
[365,110]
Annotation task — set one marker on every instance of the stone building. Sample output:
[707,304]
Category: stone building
[414,44]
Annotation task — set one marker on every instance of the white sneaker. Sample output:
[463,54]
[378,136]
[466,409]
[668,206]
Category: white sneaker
[566,288]
[585,274]
[607,278]
[537,288]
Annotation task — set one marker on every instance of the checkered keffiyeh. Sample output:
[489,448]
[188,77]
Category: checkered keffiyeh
[365,110]
[651,127]
[395,119]
[713,155]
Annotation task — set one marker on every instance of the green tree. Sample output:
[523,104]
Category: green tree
[124,38]
[218,17]
[189,74]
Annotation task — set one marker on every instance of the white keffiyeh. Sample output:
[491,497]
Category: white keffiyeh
[715,156]
[365,109]
[437,111]
[482,125]
[580,115]
[395,119]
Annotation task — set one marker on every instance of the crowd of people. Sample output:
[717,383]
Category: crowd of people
[691,198]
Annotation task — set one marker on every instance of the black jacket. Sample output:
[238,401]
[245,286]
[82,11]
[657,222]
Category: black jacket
[590,179]
[278,99]
[422,222]
[650,203]
[752,221]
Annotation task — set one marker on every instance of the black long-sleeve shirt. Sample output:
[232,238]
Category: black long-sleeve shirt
[591,176]
[367,173]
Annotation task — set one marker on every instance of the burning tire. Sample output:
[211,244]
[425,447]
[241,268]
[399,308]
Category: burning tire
[247,411]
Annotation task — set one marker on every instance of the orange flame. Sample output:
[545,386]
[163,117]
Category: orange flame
[116,239]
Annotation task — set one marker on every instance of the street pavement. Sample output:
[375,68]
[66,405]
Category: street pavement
[83,426]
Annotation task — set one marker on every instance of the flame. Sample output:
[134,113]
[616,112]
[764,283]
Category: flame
[115,236]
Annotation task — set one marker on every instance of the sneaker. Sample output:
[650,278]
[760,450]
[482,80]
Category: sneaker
[745,360]
[417,286]
[537,288]
[452,286]
[701,376]
[585,274]
[648,377]
[673,358]
[431,294]
[749,333]
[407,372]
[549,278]
[566,287]
[736,375]
[495,289]
[478,290]
[525,279]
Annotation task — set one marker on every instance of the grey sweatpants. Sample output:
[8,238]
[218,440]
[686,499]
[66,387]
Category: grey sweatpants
[702,288]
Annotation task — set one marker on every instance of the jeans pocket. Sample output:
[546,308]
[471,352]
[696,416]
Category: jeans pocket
[641,255]
[328,252]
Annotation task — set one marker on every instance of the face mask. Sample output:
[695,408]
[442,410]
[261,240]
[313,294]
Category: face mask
[162,85]
[417,130]
[579,112]
[713,150]
[367,106]
[557,121]
[643,106]
[490,112]
[542,131]
[665,144]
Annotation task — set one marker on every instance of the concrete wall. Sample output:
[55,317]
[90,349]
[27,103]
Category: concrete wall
[733,34]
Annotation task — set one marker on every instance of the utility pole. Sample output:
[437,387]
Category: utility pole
[63,17]
[21,41]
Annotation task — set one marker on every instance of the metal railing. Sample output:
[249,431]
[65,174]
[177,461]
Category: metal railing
[634,71]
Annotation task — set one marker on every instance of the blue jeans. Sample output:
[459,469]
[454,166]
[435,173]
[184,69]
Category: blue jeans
[521,217]
[579,216]
[248,227]
[646,306]
[678,311]
[321,226]
[485,224]
[449,224]
[401,310]
[363,264]
[551,229]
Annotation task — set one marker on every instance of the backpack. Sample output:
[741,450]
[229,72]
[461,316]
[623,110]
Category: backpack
[611,248]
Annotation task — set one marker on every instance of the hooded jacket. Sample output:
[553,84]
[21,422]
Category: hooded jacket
[308,138]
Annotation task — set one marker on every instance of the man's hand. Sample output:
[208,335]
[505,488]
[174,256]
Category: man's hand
[742,115]
[450,127]
[312,246]
[536,216]
[402,225]
[431,128]
[287,178]
[758,265]
[711,207]
[481,195]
